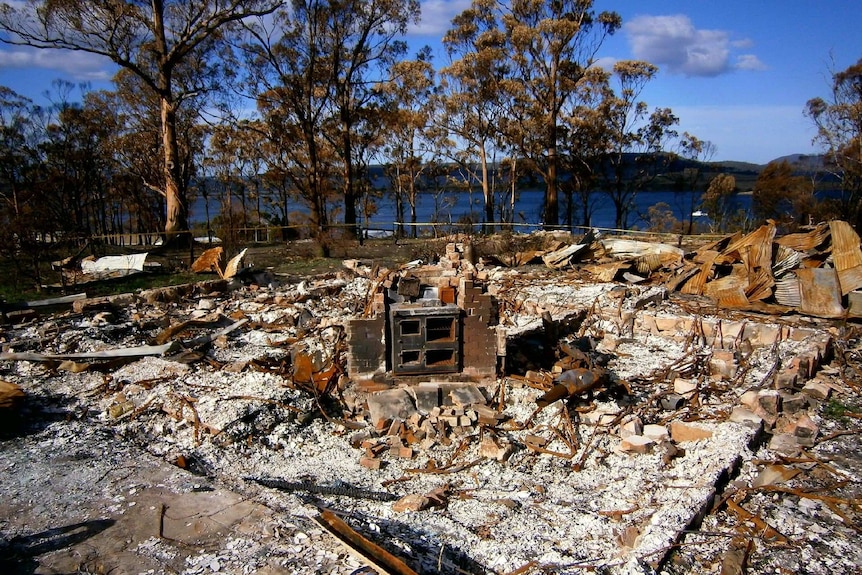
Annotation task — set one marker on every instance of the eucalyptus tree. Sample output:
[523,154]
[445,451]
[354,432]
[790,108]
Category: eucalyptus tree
[552,45]
[20,162]
[138,134]
[289,75]
[363,38]
[39,155]
[583,138]
[78,167]
[473,96]
[716,201]
[692,155]
[409,113]
[635,138]
[783,196]
[171,46]
[838,119]
[238,163]
[314,72]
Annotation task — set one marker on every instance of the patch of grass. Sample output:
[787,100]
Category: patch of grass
[310,266]
[297,258]
[142,282]
[834,409]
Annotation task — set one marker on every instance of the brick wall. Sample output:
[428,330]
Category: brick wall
[479,340]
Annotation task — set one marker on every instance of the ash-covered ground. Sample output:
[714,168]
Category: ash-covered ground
[150,464]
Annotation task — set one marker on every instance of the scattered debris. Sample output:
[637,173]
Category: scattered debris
[813,272]
[210,262]
[476,419]
[384,562]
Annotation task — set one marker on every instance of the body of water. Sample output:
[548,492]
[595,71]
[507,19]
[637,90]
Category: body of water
[457,207]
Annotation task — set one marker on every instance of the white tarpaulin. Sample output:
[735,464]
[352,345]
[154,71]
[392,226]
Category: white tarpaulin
[114,263]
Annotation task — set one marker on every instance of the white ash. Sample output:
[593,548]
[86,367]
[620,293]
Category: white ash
[534,507]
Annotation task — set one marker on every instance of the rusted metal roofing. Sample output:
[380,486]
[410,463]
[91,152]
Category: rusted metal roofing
[820,293]
[846,256]
[805,241]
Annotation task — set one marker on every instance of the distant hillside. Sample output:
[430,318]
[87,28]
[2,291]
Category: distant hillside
[804,162]
[745,173]
[731,166]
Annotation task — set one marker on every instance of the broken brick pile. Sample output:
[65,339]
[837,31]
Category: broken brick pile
[404,419]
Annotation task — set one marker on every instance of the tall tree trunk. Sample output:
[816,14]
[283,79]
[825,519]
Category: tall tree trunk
[177,215]
[487,193]
[552,212]
[349,183]
[399,203]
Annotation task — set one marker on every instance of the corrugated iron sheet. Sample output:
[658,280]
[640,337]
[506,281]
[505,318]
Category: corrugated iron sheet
[805,241]
[846,255]
[605,272]
[737,280]
[820,293]
[787,291]
[695,285]
[732,297]
[786,259]
[648,263]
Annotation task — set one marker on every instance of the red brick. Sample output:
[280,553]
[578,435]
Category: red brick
[370,463]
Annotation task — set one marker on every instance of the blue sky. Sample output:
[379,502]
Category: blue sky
[737,73]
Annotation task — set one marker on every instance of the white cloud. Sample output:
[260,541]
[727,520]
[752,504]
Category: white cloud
[606,63]
[437,17]
[79,65]
[749,62]
[674,43]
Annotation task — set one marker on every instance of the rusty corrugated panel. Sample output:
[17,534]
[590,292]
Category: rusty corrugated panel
[755,250]
[760,286]
[680,275]
[729,285]
[820,292]
[732,297]
[761,239]
[786,259]
[854,301]
[805,241]
[850,280]
[606,272]
[787,291]
[846,255]
[703,256]
[648,263]
[718,245]
[695,285]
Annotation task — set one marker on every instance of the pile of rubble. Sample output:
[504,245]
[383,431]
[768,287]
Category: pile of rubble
[817,272]
[450,417]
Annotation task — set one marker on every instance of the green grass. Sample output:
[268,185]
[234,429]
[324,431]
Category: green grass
[290,259]
[836,410]
[12,293]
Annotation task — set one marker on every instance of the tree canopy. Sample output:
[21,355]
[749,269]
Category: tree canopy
[839,130]
[311,93]
[172,47]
